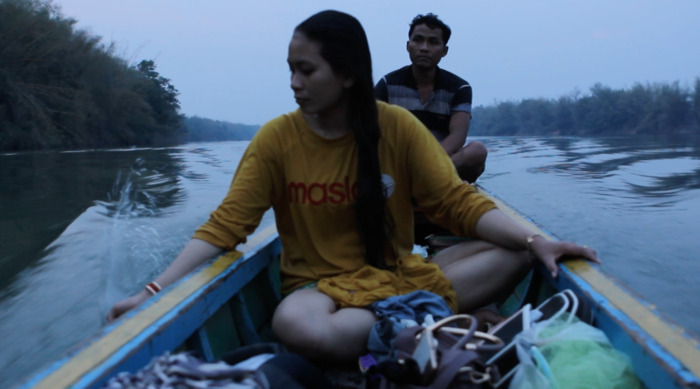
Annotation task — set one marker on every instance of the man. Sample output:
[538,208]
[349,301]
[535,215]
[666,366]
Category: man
[440,99]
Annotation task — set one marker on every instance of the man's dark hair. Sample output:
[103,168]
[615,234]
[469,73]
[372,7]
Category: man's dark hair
[431,20]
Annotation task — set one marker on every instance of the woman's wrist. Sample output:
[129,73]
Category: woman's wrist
[529,241]
[153,288]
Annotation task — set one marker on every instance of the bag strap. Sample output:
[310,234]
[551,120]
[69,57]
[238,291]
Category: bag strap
[452,359]
[453,356]
[453,320]
[405,341]
[485,341]
[402,369]
[451,362]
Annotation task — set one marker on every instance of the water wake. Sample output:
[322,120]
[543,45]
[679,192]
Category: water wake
[140,242]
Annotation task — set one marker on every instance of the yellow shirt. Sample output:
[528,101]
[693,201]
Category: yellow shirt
[310,182]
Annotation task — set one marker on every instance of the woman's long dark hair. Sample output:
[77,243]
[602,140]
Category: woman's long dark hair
[344,46]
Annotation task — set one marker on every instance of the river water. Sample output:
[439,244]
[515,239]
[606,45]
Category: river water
[81,230]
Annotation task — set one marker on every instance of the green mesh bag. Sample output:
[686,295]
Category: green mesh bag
[565,353]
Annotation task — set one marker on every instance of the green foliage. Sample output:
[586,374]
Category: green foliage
[62,88]
[201,129]
[644,109]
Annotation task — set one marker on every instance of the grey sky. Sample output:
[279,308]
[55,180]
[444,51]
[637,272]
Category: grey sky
[228,58]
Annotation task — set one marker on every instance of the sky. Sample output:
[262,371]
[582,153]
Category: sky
[227,58]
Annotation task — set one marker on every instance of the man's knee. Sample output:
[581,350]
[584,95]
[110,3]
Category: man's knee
[470,161]
[475,152]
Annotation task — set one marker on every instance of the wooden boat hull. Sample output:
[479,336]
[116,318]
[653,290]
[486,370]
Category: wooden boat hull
[230,302]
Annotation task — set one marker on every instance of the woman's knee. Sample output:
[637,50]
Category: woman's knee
[297,321]
[310,324]
[486,276]
[461,251]
[514,264]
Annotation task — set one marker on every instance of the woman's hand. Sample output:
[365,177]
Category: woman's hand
[194,253]
[127,304]
[551,251]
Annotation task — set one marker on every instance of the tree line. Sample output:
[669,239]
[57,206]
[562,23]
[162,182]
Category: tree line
[62,88]
[202,129]
[644,109]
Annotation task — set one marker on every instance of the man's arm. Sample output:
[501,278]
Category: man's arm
[459,128]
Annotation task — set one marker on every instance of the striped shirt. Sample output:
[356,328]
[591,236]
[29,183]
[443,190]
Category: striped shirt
[450,94]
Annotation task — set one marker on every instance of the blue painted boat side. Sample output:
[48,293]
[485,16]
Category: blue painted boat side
[656,366]
[663,355]
[166,332]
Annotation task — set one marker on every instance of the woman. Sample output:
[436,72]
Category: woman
[339,173]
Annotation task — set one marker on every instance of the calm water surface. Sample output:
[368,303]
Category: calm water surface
[81,230]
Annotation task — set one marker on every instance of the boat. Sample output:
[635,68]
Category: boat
[229,302]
